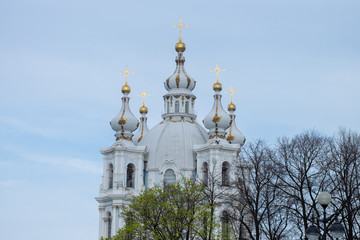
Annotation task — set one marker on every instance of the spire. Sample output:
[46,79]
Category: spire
[231,105]
[124,123]
[143,129]
[217,120]
[180,80]
[179,100]
[233,133]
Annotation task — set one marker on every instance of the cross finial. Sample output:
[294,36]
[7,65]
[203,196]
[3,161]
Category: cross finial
[217,70]
[143,95]
[180,26]
[126,73]
[231,92]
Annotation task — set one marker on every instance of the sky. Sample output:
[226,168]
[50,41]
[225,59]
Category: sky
[295,64]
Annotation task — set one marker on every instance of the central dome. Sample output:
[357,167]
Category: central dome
[172,142]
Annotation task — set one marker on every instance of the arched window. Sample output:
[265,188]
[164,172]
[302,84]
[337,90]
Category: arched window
[111,175]
[225,226]
[225,174]
[205,170]
[167,107]
[169,178]
[187,107]
[177,106]
[109,222]
[130,175]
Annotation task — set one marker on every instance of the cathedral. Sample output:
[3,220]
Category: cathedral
[176,147]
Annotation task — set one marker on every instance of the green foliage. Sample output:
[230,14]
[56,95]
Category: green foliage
[179,211]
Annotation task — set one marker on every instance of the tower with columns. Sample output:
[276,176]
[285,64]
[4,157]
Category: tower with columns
[176,147]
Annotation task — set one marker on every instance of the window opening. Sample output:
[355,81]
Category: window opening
[109,225]
[111,176]
[187,107]
[205,170]
[130,176]
[225,174]
[177,106]
[169,178]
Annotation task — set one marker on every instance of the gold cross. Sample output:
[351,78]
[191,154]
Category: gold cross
[126,73]
[231,92]
[180,26]
[143,95]
[217,70]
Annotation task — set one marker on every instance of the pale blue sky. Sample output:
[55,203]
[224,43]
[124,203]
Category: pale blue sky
[294,62]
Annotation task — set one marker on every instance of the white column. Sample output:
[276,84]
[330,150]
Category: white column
[113,221]
[116,169]
[140,181]
[101,221]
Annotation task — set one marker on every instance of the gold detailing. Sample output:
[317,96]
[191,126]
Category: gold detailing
[123,137]
[180,47]
[217,136]
[180,26]
[176,96]
[171,98]
[167,82]
[137,125]
[122,121]
[231,107]
[216,118]
[230,136]
[126,73]
[217,70]
[182,100]
[188,80]
[187,97]
[231,92]
[182,119]
[217,87]
[142,130]
[143,108]
[177,79]
[126,89]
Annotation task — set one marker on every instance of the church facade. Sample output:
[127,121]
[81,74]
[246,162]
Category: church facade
[176,147]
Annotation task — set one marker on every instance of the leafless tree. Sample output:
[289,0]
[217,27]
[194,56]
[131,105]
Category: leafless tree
[257,201]
[301,175]
[344,165]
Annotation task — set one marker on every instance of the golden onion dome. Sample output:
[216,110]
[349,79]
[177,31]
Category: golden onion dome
[143,110]
[217,87]
[231,107]
[125,89]
[180,47]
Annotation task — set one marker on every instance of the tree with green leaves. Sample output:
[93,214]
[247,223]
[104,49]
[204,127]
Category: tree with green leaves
[178,211]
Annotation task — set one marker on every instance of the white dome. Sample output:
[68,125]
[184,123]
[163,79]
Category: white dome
[180,79]
[217,120]
[124,123]
[173,140]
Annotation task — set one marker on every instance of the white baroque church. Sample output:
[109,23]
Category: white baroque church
[176,147]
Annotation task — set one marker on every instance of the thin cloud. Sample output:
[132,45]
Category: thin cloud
[25,127]
[10,183]
[79,164]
